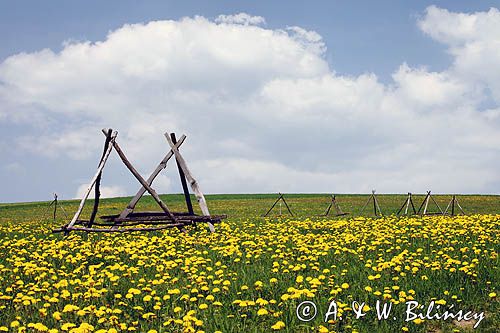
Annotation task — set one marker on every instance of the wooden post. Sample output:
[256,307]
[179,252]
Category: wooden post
[406,203]
[329,206]
[142,181]
[366,204]
[376,202]
[187,197]
[459,207]
[425,202]
[283,198]
[194,184]
[98,181]
[440,210]
[92,182]
[374,205]
[453,205]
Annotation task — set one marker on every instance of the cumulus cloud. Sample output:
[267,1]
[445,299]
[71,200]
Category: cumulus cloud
[241,18]
[262,109]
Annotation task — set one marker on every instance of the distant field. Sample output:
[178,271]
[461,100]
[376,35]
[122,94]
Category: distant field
[252,273]
[247,205]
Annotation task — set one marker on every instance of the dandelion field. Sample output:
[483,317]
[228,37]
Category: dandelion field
[252,273]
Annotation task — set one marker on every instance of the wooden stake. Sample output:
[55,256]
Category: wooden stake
[98,180]
[194,184]
[187,197]
[87,192]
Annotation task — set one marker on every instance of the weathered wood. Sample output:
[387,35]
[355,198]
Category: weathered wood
[274,204]
[366,204]
[452,203]
[460,207]
[92,182]
[54,202]
[424,204]
[338,210]
[413,206]
[141,180]
[406,205]
[187,197]
[67,229]
[194,184]
[440,210]
[162,165]
[377,205]
[166,218]
[284,201]
[98,180]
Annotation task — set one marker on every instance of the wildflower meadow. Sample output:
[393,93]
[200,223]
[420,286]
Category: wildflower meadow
[253,272]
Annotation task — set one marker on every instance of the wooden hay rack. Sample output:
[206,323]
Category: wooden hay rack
[336,207]
[280,199]
[128,220]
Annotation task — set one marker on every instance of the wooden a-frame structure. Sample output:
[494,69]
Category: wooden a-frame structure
[376,207]
[282,198]
[425,205]
[143,221]
[406,205]
[452,203]
[335,205]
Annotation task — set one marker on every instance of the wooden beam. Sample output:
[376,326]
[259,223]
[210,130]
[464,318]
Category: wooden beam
[283,199]
[173,225]
[142,181]
[98,180]
[194,184]
[92,182]
[185,189]
[163,164]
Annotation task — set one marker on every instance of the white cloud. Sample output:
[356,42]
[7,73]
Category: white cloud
[241,18]
[262,109]
[474,42]
[106,191]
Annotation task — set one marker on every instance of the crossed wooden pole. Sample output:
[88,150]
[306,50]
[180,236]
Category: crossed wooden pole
[282,198]
[334,204]
[376,207]
[406,205]
[425,204]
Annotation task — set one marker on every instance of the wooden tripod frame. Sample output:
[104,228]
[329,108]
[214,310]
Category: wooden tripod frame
[164,219]
[452,203]
[376,207]
[335,205]
[406,205]
[282,198]
[425,204]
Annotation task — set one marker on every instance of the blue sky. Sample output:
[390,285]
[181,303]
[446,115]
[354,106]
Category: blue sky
[374,57]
